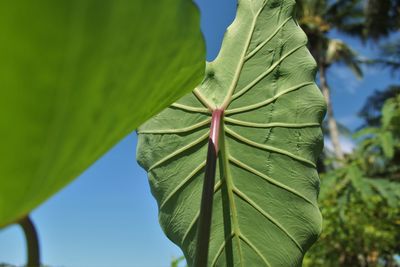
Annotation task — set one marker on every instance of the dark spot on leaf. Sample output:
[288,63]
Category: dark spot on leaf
[274,4]
[210,74]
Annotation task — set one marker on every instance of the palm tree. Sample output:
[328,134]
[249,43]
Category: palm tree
[382,17]
[318,18]
[390,54]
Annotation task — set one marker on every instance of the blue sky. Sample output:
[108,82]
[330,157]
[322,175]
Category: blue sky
[107,217]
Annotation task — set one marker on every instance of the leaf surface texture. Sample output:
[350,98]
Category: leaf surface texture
[265,197]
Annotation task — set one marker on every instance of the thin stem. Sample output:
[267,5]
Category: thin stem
[32,242]
[204,226]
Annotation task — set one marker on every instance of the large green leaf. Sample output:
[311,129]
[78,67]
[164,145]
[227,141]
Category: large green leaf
[265,202]
[78,75]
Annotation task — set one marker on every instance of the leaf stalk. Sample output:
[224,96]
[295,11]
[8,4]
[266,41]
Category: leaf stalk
[204,226]
[32,241]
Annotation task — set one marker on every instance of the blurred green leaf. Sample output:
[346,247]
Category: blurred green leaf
[365,131]
[388,112]
[387,142]
[360,201]
[360,184]
[175,262]
[390,191]
[76,76]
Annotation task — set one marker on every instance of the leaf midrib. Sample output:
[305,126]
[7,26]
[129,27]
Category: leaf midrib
[239,68]
[227,177]
[230,186]
[224,151]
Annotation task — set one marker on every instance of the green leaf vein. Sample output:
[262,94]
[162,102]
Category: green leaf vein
[267,147]
[270,125]
[253,247]
[178,130]
[268,216]
[183,182]
[245,167]
[261,45]
[181,150]
[190,108]
[264,74]
[267,101]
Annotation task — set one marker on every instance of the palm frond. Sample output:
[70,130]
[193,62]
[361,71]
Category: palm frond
[382,17]
[338,51]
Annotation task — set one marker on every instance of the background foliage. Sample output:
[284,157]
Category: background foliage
[360,190]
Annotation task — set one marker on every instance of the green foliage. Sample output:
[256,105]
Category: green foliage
[379,151]
[76,76]
[360,201]
[359,227]
[371,110]
[264,211]
[175,262]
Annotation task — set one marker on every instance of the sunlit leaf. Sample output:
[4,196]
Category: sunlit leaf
[265,202]
[76,76]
